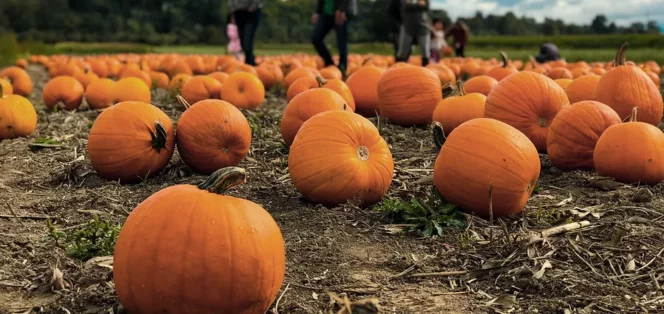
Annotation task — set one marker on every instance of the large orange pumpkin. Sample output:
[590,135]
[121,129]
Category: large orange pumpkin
[338,156]
[626,86]
[17,116]
[131,89]
[482,84]
[212,134]
[485,161]
[224,254]
[631,152]
[408,94]
[582,88]
[453,111]
[65,91]
[575,131]
[201,87]
[244,90]
[306,105]
[527,101]
[131,141]
[99,94]
[362,84]
[21,81]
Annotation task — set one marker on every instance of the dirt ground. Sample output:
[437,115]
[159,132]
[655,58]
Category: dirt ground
[613,264]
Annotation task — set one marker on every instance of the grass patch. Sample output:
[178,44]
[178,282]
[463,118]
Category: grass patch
[96,238]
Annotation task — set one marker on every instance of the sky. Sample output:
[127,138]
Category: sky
[622,12]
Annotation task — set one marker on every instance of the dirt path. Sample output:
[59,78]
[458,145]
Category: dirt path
[613,265]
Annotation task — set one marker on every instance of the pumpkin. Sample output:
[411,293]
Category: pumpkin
[560,73]
[408,95]
[579,72]
[130,141]
[243,90]
[201,87]
[99,67]
[86,77]
[131,89]
[362,84]
[302,84]
[625,86]
[5,87]
[99,94]
[655,78]
[338,156]
[582,88]
[158,79]
[527,101]
[21,82]
[306,105]
[331,72]
[487,167]
[63,90]
[224,254]
[21,63]
[137,73]
[453,111]
[445,74]
[178,81]
[298,73]
[574,133]
[17,116]
[482,84]
[212,134]
[563,82]
[631,152]
[501,72]
[271,75]
[341,88]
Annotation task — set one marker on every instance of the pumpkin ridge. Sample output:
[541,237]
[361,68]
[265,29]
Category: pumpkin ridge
[183,257]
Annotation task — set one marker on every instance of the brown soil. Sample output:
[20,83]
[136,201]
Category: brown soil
[614,265]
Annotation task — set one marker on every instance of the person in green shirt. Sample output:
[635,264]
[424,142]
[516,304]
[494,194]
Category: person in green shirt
[333,14]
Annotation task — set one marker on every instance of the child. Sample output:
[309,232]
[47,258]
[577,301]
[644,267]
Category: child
[437,40]
[234,46]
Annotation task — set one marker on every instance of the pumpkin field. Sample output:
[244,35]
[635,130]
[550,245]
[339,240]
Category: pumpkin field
[192,183]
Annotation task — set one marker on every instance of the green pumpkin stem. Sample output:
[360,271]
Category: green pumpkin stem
[223,179]
[632,117]
[158,138]
[321,81]
[503,56]
[183,102]
[439,136]
[620,56]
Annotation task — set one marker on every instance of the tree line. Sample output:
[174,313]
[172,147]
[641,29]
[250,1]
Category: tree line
[169,22]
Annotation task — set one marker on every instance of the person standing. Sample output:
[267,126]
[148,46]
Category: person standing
[415,24]
[437,40]
[234,47]
[247,14]
[460,32]
[333,14]
[548,52]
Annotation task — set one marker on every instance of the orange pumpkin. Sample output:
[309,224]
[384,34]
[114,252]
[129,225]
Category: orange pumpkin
[527,101]
[212,134]
[86,77]
[17,116]
[298,73]
[99,67]
[560,73]
[219,76]
[574,133]
[271,75]
[5,87]
[137,73]
[631,152]
[341,88]
[563,82]
[63,90]
[231,254]
[302,84]
[131,89]
[487,163]
[445,74]
[21,82]
[482,84]
[339,156]
[158,79]
[453,111]
[582,88]
[624,87]
[655,78]
[98,95]
[243,90]
[501,72]
[201,87]
[408,95]
[362,84]
[130,141]
[306,105]
[21,63]
[331,72]
[178,81]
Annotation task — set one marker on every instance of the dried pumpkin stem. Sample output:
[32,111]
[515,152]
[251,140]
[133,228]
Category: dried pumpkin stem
[321,81]
[2,92]
[620,56]
[439,136]
[223,179]
[366,60]
[183,101]
[632,117]
[448,90]
[460,89]
[503,56]
[158,137]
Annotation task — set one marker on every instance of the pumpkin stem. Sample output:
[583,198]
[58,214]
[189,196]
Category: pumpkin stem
[460,89]
[321,81]
[158,138]
[448,90]
[182,102]
[632,118]
[532,60]
[503,56]
[620,56]
[2,91]
[366,60]
[439,136]
[223,179]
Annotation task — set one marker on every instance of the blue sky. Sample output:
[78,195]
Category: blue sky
[622,12]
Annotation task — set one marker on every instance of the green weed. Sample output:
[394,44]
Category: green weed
[96,238]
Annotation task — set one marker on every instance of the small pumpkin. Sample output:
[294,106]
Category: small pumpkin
[131,141]
[408,94]
[270,74]
[362,84]
[176,83]
[453,111]
[243,90]
[65,91]
[137,73]
[86,77]
[487,167]
[212,134]
[654,77]
[201,87]
[331,72]
[574,133]
[131,89]
[563,82]
[482,84]
[582,88]
[626,86]
[501,72]
[302,84]
[224,254]
[17,116]
[444,73]
[21,63]
[306,105]
[631,152]
[99,94]
[560,73]
[527,101]
[339,156]
[341,88]
[298,73]
[5,88]
[159,79]
[21,81]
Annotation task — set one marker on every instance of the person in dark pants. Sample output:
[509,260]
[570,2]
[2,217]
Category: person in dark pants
[333,14]
[460,32]
[394,14]
[247,14]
